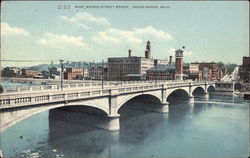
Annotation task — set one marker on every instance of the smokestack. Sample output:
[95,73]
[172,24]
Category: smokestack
[170,60]
[129,53]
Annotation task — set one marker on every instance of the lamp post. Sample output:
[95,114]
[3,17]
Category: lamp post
[102,73]
[155,75]
[61,62]
[121,73]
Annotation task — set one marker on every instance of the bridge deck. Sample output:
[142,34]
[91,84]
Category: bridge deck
[17,99]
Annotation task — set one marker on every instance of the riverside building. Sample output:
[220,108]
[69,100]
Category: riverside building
[245,69]
[97,73]
[209,71]
[131,67]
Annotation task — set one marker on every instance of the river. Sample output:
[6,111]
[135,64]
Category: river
[214,128]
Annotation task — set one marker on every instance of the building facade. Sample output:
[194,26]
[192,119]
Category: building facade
[73,73]
[131,67]
[97,73]
[244,69]
[209,71]
[161,72]
[124,68]
[30,73]
[11,72]
[194,72]
[54,73]
[160,62]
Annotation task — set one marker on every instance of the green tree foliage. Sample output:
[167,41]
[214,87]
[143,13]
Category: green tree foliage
[230,67]
[221,64]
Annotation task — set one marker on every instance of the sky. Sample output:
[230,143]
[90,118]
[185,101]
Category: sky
[73,31]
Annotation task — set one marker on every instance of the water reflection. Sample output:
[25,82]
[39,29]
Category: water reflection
[69,132]
[136,129]
[188,130]
[179,111]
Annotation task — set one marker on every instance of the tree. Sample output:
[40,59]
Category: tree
[231,67]
[221,64]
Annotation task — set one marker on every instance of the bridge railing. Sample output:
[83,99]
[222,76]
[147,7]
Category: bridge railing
[77,86]
[88,85]
[8,100]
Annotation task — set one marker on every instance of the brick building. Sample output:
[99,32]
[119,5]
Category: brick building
[161,72]
[245,69]
[73,73]
[30,72]
[194,72]
[209,71]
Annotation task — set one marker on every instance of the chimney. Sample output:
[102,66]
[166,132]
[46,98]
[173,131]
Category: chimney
[129,53]
[170,60]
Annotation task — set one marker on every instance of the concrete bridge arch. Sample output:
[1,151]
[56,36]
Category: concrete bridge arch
[210,88]
[198,90]
[122,100]
[12,116]
[100,108]
[14,109]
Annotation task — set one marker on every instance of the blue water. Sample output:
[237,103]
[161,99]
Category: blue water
[12,84]
[217,128]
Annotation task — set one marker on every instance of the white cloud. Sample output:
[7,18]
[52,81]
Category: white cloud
[7,30]
[188,53]
[63,41]
[105,37]
[85,19]
[150,31]
[134,36]
[171,52]
[117,36]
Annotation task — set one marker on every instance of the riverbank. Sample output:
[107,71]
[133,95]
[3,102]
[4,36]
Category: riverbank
[243,90]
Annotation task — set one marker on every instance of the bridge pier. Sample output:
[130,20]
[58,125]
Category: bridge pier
[113,123]
[1,154]
[206,96]
[191,99]
[165,108]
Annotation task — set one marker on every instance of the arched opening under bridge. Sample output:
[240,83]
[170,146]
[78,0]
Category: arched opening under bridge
[138,116]
[140,102]
[178,95]
[210,89]
[77,119]
[198,91]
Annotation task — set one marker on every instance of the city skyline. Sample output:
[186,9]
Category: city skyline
[210,31]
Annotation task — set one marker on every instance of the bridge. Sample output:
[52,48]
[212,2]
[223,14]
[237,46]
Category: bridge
[18,105]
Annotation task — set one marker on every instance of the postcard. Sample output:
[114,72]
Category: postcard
[124,79]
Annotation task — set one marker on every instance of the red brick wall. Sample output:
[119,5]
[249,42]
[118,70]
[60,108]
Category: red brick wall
[179,65]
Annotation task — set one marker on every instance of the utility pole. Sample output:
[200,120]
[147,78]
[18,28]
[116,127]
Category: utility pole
[102,73]
[121,69]
[61,62]
[155,75]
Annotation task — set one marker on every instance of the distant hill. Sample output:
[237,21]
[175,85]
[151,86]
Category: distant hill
[83,64]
